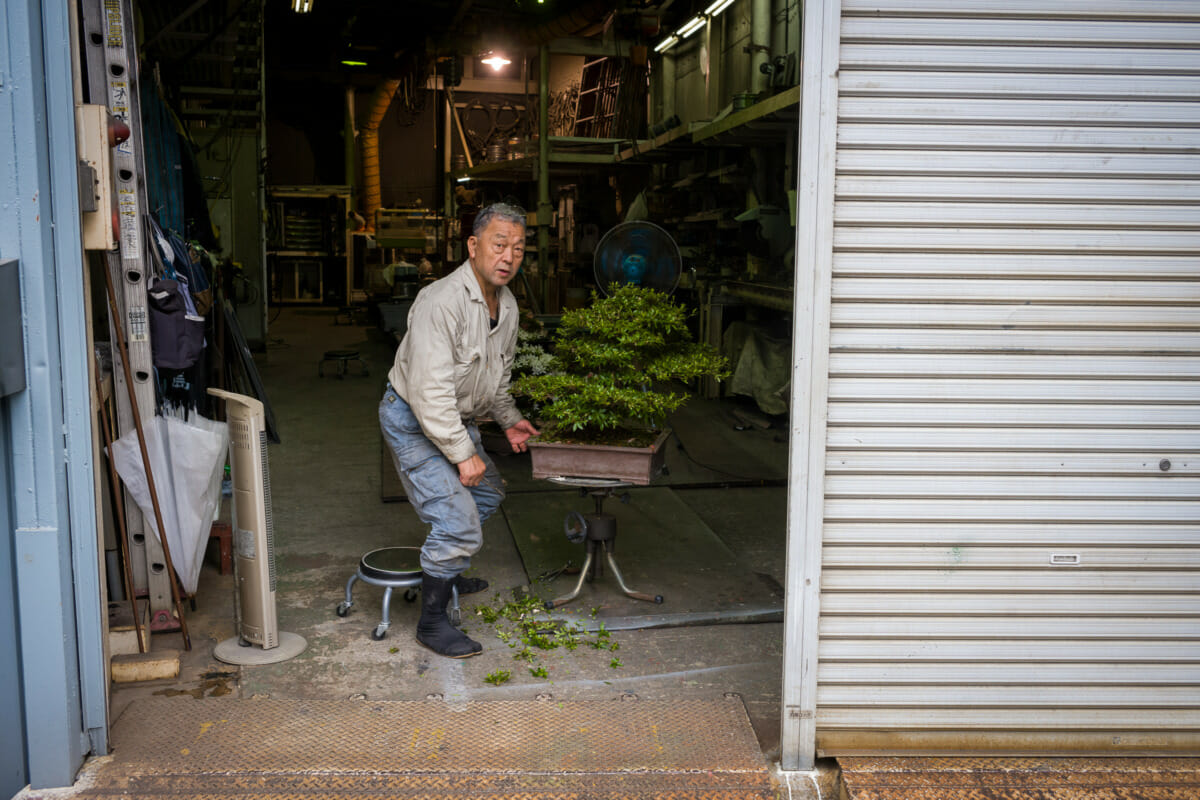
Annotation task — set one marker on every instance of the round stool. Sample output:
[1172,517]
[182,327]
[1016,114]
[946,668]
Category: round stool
[392,568]
[341,359]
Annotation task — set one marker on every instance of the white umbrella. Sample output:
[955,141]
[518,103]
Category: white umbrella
[187,459]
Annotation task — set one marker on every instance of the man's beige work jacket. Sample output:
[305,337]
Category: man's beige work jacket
[452,366]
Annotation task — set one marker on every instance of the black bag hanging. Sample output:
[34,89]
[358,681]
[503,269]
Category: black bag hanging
[176,336]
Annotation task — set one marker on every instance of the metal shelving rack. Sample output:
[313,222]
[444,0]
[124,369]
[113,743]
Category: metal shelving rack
[308,241]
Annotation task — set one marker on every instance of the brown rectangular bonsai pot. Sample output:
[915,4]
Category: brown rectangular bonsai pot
[636,465]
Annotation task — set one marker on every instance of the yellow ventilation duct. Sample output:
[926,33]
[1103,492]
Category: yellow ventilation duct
[381,99]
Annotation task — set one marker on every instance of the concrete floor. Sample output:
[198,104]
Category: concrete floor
[326,488]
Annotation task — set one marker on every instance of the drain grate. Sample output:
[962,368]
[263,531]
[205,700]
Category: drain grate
[223,747]
[894,778]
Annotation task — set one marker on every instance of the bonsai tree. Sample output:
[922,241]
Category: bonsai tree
[612,363]
[530,358]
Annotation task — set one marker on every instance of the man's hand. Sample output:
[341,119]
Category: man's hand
[470,472]
[519,434]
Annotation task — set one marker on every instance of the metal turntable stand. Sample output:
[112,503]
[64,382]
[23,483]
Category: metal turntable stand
[599,531]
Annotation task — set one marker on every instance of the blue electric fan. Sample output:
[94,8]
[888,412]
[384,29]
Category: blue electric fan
[638,253]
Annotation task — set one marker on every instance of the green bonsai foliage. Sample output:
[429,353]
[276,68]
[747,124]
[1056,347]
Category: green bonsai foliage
[523,624]
[611,360]
[497,677]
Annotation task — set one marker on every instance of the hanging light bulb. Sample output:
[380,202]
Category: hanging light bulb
[495,61]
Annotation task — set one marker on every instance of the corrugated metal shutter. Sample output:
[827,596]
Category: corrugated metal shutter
[1011,551]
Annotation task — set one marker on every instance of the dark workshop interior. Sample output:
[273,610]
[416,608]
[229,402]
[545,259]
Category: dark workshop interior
[310,166]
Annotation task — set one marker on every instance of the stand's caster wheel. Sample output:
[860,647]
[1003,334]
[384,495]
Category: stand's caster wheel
[658,598]
[344,608]
[455,616]
[244,642]
[410,595]
[379,633]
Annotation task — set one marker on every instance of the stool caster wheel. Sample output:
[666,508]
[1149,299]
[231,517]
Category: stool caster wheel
[658,598]
[455,616]
[410,595]
[379,632]
[344,608]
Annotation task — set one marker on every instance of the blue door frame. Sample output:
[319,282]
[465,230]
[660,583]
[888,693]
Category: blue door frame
[13,774]
[47,485]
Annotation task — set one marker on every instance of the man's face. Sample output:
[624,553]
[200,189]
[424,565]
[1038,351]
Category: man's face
[497,252]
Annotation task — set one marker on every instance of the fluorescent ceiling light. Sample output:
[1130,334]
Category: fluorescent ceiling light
[302,6]
[349,63]
[463,179]
[691,27]
[666,44]
[718,7]
[496,61]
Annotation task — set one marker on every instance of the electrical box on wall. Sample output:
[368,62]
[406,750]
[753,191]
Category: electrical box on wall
[12,333]
[95,177]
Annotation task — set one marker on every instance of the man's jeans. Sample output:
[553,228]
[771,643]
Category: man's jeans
[455,512]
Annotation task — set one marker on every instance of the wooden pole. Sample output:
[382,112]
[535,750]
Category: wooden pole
[119,507]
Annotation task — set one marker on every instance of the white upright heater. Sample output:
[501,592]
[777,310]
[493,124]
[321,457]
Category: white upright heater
[259,640]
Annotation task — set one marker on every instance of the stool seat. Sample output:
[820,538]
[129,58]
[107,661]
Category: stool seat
[342,359]
[392,568]
[392,563]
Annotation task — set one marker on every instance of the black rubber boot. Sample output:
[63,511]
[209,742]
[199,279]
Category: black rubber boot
[469,585]
[434,629]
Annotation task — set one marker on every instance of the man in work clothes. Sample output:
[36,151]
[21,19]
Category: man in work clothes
[452,366]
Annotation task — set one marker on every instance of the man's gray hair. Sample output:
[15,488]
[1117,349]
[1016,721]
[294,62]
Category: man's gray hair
[502,211]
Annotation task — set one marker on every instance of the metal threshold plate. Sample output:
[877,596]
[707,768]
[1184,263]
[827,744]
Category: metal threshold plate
[265,748]
[895,778]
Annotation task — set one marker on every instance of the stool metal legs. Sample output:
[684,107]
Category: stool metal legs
[409,584]
[601,534]
[588,572]
[583,575]
[612,564]
[342,365]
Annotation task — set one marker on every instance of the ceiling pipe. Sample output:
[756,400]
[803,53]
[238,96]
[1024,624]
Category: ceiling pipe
[350,155]
[666,76]
[760,44]
[381,99]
